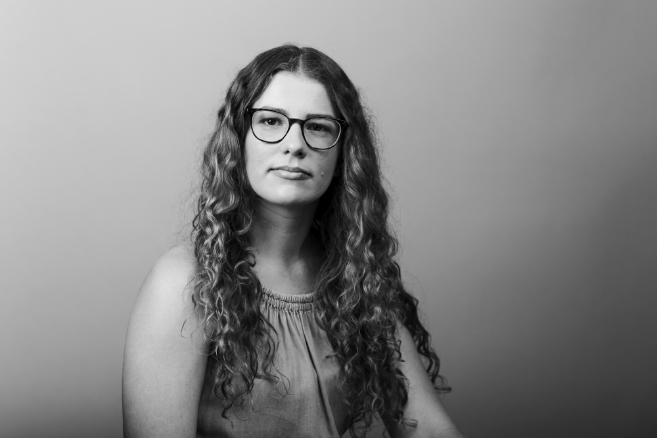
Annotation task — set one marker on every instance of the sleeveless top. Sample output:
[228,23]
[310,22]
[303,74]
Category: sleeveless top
[312,405]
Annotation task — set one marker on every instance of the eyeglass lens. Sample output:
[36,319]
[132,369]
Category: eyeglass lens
[270,126]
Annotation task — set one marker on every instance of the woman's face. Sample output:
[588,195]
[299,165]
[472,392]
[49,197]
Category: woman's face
[289,173]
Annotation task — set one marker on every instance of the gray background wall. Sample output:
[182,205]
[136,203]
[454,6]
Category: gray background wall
[519,137]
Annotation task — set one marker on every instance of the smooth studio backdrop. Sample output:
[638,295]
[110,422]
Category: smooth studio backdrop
[519,139]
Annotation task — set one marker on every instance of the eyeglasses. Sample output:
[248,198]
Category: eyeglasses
[320,133]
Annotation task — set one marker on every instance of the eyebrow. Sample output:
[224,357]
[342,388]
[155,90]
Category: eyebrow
[308,116]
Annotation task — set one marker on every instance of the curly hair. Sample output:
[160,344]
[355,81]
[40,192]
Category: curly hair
[359,296]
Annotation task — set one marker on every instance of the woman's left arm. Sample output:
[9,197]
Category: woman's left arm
[423,405]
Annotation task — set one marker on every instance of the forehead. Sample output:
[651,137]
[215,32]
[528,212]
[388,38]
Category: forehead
[296,94]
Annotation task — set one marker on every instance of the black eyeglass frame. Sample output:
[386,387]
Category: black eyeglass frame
[342,123]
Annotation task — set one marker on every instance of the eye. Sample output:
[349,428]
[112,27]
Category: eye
[269,119]
[316,127]
[321,127]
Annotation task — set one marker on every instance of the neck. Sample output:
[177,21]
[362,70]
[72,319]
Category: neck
[281,234]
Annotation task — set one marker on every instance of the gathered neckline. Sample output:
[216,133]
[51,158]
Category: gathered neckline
[288,302]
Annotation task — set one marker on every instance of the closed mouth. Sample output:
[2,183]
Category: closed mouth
[293,169]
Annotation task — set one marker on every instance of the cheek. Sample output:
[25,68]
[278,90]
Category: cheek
[329,170]
[332,163]
[253,158]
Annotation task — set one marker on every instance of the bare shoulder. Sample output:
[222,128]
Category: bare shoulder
[164,302]
[173,268]
[165,353]
[171,273]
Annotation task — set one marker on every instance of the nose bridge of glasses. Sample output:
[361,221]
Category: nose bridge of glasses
[299,122]
[293,122]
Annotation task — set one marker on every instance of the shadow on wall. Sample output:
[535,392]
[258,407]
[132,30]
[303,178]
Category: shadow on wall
[560,309]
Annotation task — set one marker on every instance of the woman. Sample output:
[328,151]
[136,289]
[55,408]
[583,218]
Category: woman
[288,317]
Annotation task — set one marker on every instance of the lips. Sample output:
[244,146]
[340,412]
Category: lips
[289,169]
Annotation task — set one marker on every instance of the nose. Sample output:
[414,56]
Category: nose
[294,143]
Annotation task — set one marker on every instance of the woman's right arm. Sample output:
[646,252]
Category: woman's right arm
[164,361]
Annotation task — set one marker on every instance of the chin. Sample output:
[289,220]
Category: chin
[292,199]
[292,202]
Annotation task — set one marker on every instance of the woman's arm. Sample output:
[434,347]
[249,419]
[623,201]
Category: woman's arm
[424,406]
[163,364]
